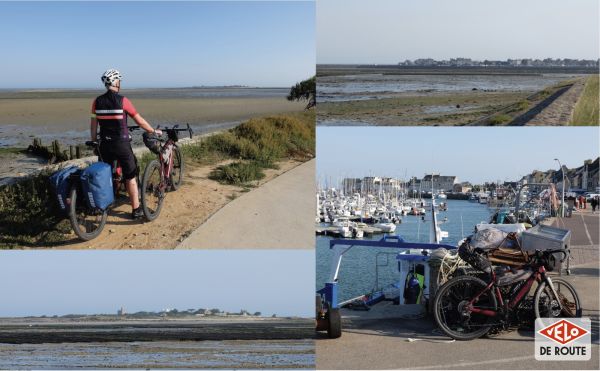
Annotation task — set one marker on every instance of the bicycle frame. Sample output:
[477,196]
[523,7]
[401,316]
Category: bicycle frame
[167,168]
[538,276]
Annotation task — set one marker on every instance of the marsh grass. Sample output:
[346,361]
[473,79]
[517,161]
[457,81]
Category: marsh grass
[587,108]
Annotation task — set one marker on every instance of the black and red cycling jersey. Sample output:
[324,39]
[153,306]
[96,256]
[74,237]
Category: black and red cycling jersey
[111,110]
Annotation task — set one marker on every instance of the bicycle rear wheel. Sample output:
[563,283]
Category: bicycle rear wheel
[86,223]
[546,304]
[176,176]
[153,190]
[451,308]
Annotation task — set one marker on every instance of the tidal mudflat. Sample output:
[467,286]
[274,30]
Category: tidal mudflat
[158,343]
[64,114]
[393,96]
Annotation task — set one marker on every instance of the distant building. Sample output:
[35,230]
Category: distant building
[438,183]
[121,312]
[583,178]
[464,187]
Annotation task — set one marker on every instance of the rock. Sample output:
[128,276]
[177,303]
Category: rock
[111,231]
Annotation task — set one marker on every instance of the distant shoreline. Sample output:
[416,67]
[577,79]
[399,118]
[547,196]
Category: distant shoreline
[50,330]
[359,69]
[99,88]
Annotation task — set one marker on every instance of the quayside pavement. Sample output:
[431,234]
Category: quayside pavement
[404,342]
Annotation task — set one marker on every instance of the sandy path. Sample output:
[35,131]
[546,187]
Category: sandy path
[183,211]
[279,214]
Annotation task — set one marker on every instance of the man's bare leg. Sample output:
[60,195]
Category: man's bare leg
[132,190]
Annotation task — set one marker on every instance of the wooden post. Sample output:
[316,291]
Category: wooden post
[56,148]
[78,151]
[71,152]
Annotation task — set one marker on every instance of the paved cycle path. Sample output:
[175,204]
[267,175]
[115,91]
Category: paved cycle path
[278,215]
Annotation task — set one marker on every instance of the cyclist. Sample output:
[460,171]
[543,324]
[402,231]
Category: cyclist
[110,111]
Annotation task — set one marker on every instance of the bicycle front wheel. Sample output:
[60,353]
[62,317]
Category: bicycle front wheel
[86,223]
[176,176]
[153,190]
[451,309]
[546,304]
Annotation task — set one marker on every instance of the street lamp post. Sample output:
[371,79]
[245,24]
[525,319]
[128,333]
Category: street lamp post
[562,212]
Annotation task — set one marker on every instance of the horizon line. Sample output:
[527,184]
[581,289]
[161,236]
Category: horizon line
[150,87]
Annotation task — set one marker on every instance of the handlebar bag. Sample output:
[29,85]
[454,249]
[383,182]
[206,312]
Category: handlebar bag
[152,142]
[60,184]
[173,135]
[97,185]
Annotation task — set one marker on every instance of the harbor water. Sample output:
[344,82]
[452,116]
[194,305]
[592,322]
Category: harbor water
[357,274]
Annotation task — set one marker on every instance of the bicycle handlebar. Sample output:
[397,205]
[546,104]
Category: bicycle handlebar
[176,128]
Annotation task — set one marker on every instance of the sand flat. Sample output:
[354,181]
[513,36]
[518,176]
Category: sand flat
[55,115]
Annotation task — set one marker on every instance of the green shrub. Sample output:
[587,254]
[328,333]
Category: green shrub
[500,119]
[29,214]
[237,173]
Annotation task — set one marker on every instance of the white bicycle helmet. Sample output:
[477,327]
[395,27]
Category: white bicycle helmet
[110,76]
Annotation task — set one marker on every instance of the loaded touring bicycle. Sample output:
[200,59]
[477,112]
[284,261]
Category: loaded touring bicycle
[86,195]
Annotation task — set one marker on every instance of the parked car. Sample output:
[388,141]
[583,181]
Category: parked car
[589,195]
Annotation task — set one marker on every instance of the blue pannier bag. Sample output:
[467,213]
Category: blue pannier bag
[61,184]
[97,185]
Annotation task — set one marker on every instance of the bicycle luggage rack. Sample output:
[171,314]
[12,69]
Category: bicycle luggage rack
[329,293]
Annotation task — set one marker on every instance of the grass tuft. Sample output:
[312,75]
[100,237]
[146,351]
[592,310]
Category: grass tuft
[500,119]
[237,173]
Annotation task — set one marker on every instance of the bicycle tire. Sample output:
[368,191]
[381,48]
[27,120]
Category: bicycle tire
[152,189]
[543,288]
[440,318]
[85,235]
[178,156]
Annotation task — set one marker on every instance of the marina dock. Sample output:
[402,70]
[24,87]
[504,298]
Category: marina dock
[333,231]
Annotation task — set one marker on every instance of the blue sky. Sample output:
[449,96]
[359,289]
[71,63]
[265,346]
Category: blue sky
[156,44]
[387,31]
[62,282]
[475,154]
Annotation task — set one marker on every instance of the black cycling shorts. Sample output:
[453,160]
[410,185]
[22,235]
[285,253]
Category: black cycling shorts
[120,151]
